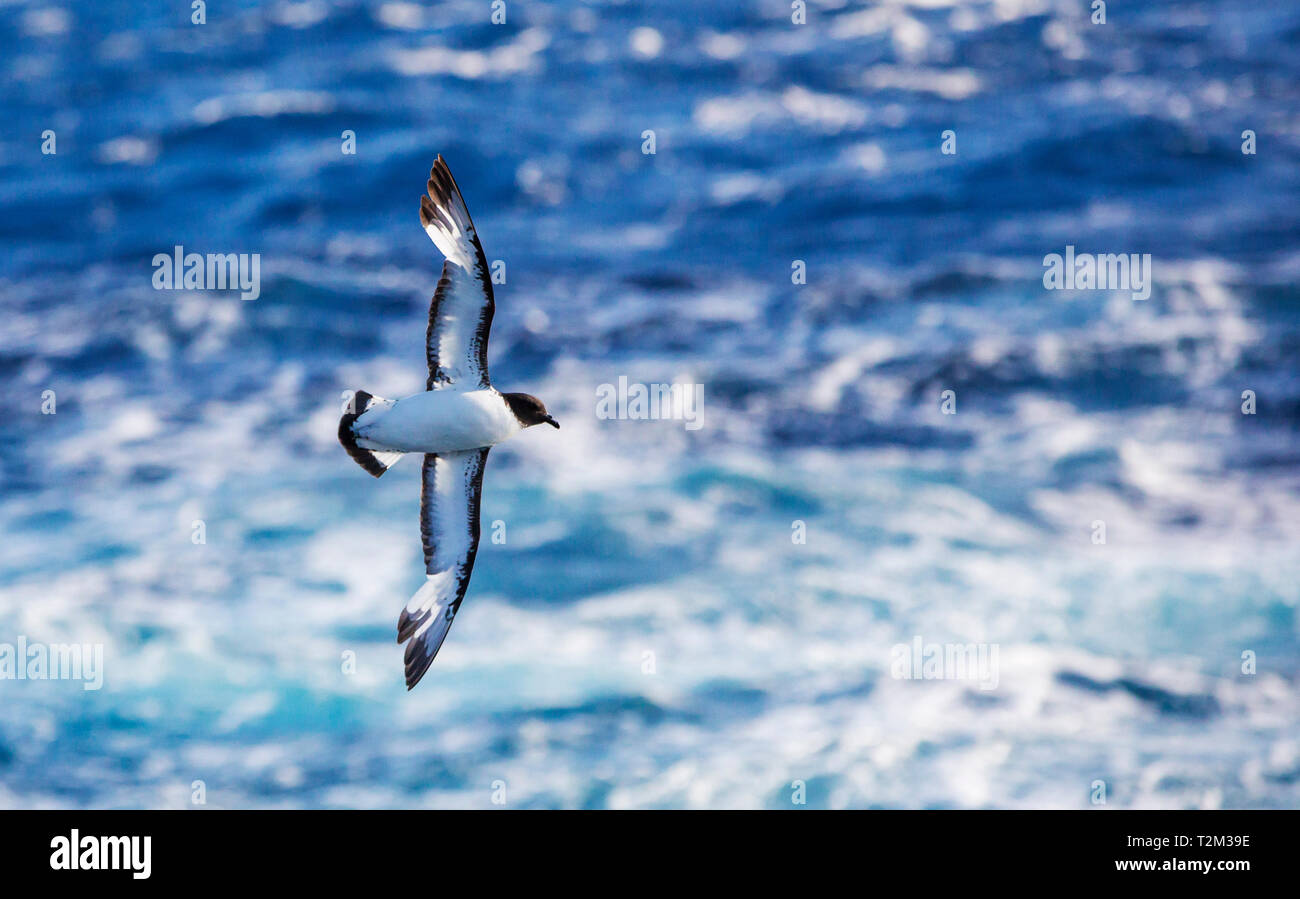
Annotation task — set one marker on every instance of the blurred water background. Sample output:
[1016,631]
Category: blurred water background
[650,635]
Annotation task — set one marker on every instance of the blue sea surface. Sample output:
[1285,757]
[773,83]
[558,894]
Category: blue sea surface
[652,632]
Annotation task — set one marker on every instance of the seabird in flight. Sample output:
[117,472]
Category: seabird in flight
[458,418]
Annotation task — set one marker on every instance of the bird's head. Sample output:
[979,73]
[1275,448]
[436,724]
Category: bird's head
[529,410]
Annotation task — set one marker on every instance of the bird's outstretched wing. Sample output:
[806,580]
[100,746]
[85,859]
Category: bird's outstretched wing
[460,314]
[449,500]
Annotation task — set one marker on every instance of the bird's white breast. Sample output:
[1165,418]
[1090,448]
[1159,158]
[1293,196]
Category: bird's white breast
[438,421]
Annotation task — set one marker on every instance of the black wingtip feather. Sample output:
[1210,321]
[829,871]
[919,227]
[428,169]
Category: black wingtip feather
[433,206]
[443,190]
[418,659]
[407,624]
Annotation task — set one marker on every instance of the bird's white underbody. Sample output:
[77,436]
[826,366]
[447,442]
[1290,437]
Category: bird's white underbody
[439,421]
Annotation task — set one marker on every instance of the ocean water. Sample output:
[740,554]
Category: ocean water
[652,633]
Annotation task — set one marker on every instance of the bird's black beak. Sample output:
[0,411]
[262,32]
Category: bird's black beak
[552,422]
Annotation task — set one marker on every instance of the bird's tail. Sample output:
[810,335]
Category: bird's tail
[374,461]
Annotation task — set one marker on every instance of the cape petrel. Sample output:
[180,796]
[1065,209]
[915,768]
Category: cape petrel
[458,418]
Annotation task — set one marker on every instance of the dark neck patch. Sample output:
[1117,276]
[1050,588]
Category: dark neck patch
[528,409]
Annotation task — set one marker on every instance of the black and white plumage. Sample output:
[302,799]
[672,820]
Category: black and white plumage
[451,486]
[460,315]
[454,423]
